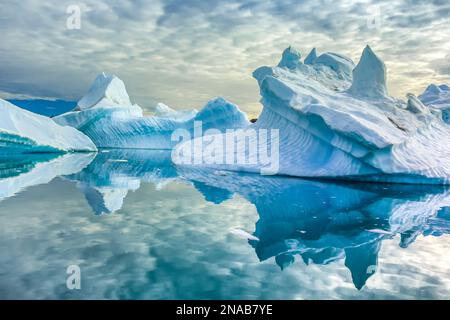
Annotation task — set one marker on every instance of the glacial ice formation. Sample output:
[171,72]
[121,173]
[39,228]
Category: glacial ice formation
[438,97]
[164,111]
[22,131]
[106,91]
[106,115]
[338,121]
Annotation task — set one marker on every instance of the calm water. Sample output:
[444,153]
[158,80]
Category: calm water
[141,229]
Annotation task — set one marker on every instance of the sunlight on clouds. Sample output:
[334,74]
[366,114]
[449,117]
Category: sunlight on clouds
[186,52]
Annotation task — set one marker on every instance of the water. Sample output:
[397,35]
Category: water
[139,228]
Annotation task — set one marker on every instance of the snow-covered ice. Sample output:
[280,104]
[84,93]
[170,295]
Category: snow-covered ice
[438,97]
[338,121]
[107,116]
[22,131]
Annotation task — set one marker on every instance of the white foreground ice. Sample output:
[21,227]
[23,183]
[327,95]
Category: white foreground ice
[22,131]
[337,123]
[106,115]
[438,97]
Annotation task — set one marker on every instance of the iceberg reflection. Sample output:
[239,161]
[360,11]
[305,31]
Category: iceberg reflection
[325,222]
[309,220]
[22,171]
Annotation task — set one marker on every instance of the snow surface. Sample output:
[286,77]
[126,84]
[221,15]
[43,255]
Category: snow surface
[22,131]
[164,111]
[438,97]
[115,125]
[106,91]
[335,123]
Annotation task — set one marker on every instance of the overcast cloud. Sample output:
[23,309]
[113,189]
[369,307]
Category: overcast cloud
[185,52]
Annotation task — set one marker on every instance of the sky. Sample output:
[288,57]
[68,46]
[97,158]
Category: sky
[186,52]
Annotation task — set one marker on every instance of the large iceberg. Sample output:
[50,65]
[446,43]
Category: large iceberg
[438,97]
[22,131]
[107,116]
[336,121]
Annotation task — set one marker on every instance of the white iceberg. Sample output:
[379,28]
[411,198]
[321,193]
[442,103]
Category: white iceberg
[164,111]
[106,91]
[107,116]
[438,97]
[22,131]
[337,124]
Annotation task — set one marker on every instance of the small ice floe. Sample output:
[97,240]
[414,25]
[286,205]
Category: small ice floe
[243,234]
[222,173]
[380,231]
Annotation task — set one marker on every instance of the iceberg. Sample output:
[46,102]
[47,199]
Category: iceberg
[106,115]
[22,131]
[164,111]
[438,97]
[336,120]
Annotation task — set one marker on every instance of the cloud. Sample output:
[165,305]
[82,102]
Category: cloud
[186,52]
[441,66]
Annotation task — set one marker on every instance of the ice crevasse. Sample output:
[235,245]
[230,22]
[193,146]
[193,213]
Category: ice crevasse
[107,116]
[337,120]
[22,131]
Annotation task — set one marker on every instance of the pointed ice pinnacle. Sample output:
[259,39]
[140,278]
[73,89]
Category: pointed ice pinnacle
[311,57]
[290,58]
[106,91]
[369,76]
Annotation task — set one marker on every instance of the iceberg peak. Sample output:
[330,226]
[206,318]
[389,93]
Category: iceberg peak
[163,110]
[290,58]
[106,91]
[311,57]
[369,76]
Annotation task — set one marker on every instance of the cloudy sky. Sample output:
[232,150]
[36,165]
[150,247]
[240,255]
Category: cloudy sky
[185,52]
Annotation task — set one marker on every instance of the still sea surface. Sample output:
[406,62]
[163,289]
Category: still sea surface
[139,228]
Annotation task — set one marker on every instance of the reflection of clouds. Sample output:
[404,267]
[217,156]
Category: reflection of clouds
[185,52]
[171,243]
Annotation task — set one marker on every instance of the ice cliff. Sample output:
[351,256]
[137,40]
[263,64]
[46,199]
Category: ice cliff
[22,131]
[106,115]
[438,97]
[336,120]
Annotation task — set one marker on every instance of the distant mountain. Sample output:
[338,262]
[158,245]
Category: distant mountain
[49,108]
